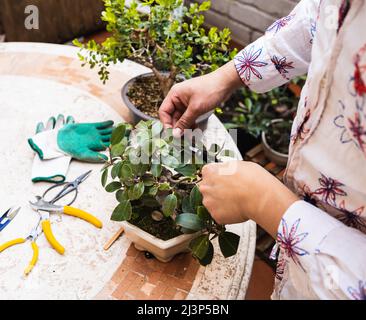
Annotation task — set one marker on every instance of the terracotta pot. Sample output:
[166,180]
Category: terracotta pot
[136,114]
[273,155]
[162,250]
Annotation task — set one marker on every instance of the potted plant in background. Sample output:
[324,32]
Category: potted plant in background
[170,40]
[266,117]
[154,177]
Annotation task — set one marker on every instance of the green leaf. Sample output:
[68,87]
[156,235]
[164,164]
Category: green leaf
[156,170]
[169,205]
[150,201]
[119,148]
[186,205]
[203,213]
[156,129]
[207,259]
[170,161]
[121,195]
[118,134]
[115,170]
[187,170]
[164,186]
[122,212]
[136,191]
[126,172]
[148,181]
[195,198]
[113,186]
[229,243]
[153,190]
[104,177]
[189,221]
[200,246]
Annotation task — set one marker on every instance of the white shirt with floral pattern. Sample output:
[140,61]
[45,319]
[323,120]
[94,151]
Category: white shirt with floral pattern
[321,238]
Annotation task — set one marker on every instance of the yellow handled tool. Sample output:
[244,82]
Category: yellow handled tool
[44,208]
[32,237]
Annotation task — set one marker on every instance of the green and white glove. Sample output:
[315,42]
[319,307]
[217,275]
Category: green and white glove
[53,170]
[81,141]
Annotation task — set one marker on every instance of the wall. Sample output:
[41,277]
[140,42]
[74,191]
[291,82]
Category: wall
[59,20]
[247,19]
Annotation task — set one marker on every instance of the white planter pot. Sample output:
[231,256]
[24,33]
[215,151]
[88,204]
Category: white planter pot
[162,250]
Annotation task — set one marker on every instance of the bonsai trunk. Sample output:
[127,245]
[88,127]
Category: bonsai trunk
[166,82]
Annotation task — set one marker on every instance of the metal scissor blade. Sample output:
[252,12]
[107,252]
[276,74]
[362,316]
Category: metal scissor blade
[43,205]
[83,177]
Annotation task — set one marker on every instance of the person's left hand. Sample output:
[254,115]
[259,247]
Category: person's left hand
[236,191]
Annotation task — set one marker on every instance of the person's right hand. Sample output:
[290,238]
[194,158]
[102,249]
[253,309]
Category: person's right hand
[190,99]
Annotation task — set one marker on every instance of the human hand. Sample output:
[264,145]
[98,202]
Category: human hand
[190,99]
[236,191]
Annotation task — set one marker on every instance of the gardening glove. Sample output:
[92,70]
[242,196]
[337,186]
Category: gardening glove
[81,141]
[53,170]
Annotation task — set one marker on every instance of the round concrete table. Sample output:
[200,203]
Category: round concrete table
[41,80]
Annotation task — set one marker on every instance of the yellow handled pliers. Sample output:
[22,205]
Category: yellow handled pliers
[31,237]
[44,208]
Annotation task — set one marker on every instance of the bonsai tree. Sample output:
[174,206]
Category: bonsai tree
[170,40]
[154,177]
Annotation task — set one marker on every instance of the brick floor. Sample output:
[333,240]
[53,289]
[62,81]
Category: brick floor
[140,278]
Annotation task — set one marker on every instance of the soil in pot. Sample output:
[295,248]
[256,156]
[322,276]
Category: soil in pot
[278,136]
[164,229]
[145,94]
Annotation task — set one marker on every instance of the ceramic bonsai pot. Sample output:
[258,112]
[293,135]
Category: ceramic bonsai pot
[162,250]
[135,113]
[273,155]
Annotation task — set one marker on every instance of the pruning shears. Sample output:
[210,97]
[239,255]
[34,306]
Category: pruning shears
[44,209]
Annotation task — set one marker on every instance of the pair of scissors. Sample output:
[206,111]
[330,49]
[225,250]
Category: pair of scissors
[7,217]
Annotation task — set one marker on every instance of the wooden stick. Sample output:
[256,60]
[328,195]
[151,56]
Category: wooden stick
[113,239]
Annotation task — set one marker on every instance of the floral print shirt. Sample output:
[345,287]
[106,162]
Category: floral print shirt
[321,238]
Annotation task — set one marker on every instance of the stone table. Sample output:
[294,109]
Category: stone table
[41,80]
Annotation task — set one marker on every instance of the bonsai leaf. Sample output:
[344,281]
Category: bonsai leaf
[170,161]
[209,255]
[118,149]
[104,177]
[148,181]
[169,205]
[113,186]
[118,134]
[186,205]
[189,221]
[156,170]
[115,170]
[153,190]
[203,213]
[122,212]
[164,186]
[200,246]
[187,170]
[195,198]
[126,172]
[121,195]
[150,201]
[229,243]
[136,191]
[156,129]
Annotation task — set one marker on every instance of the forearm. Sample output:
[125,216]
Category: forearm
[275,201]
